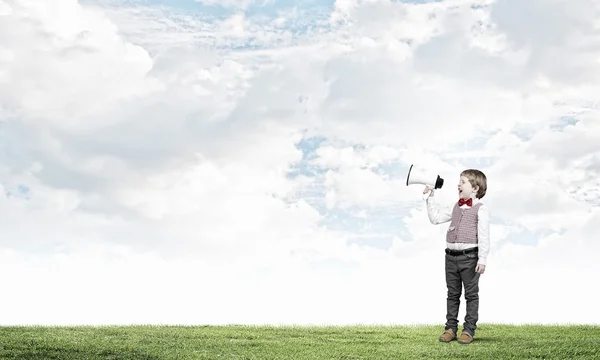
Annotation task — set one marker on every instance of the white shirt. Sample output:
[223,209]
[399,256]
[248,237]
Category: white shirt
[440,215]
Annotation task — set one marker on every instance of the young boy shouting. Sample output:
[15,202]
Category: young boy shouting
[467,248]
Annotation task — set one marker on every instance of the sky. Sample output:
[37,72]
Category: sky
[244,161]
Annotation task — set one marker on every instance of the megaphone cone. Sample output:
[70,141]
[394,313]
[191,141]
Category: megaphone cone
[417,175]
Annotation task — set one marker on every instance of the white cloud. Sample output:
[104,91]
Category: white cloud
[233,26]
[67,71]
[565,52]
[146,159]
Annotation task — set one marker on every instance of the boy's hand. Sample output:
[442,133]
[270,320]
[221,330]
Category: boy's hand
[428,189]
[480,268]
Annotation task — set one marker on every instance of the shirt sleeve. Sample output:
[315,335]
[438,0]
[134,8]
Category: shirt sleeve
[438,214]
[483,234]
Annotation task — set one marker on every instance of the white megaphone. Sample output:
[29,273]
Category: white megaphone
[419,176]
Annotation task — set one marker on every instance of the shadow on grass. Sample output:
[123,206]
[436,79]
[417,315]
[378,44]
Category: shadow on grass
[483,339]
[487,339]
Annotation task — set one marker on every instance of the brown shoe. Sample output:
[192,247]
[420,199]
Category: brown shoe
[465,338]
[448,336]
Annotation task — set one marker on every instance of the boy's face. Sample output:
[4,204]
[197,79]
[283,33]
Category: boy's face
[465,190]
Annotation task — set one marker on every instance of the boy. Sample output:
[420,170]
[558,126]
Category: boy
[467,248]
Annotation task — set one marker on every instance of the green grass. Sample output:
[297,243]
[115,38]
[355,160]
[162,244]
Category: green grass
[302,343]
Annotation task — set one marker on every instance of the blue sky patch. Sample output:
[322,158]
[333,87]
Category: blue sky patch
[564,122]
[20,191]
[257,9]
[303,168]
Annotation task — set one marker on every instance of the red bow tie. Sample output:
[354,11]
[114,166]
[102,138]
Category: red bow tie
[462,202]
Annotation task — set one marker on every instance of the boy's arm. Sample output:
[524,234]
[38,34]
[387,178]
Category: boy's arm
[483,234]
[437,214]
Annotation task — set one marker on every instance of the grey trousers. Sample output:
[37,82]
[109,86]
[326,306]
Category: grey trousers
[460,270]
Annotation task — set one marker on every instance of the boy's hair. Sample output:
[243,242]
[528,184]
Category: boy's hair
[476,178]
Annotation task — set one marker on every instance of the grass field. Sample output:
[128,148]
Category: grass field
[305,343]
